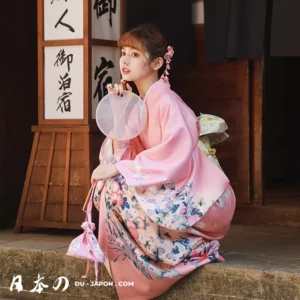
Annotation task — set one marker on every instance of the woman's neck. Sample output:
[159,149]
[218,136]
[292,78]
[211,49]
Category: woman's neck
[144,85]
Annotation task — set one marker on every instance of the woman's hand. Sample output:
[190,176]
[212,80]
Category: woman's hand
[119,88]
[104,171]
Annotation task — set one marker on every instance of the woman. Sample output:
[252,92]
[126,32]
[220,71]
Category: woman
[164,205]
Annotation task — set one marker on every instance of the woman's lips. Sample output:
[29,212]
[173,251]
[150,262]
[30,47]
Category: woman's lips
[125,71]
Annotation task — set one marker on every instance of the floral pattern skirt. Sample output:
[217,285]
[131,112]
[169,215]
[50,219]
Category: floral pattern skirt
[148,256]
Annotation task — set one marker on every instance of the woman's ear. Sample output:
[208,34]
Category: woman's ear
[158,62]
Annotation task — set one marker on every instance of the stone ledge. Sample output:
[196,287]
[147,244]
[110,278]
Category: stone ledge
[220,281]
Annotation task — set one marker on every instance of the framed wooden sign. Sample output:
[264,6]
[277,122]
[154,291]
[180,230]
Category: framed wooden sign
[77,57]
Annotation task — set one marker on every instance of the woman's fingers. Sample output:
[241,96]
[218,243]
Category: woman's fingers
[123,83]
[128,87]
[121,90]
[110,88]
[116,86]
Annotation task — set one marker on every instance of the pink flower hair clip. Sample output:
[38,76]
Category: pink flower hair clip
[167,57]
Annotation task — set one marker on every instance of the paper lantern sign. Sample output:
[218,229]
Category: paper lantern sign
[106,19]
[63,82]
[105,70]
[63,20]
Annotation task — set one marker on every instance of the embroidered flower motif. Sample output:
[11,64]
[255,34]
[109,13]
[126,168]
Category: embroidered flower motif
[200,225]
[134,232]
[132,228]
[220,203]
[114,198]
[183,211]
[141,223]
[130,224]
[125,204]
[192,219]
[137,167]
[115,187]
[121,200]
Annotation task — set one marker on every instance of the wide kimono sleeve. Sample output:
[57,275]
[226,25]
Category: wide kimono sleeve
[171,160]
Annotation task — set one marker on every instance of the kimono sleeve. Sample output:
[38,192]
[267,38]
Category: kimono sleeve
[171,160]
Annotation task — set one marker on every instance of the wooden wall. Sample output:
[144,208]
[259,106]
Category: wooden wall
[220,89]
[223,90]
[18,102]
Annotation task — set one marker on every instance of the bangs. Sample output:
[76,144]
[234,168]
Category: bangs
[130,40]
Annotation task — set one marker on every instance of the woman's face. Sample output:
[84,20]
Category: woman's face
[134,64]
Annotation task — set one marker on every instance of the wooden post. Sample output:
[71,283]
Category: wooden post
[257,114]
[77,58]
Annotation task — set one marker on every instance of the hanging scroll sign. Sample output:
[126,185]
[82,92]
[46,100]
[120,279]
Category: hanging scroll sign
[121,118]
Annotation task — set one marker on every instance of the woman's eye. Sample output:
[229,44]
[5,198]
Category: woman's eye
[135,54]
[123,53]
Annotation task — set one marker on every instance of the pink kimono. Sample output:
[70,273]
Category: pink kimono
[160,219]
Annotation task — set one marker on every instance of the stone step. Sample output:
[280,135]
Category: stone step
[263,270]
[215,281]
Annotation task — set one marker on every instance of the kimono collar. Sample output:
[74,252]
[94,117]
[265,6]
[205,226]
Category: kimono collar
[157,89]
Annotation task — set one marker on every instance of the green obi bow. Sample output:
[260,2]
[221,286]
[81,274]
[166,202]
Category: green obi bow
[212,132]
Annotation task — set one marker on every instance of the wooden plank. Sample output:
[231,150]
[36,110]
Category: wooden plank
[59,157]
[67,173]
[243,136]
[43,121]
[77,159]
[35,193]
[75,213]
[57,176]
[41,158]
[60,141]
[63,128]
[38,176]
[87,59]
[77,177]
[45,141]
[40,36]
[77,194]
[108,43]
[256,131]
[31,211]
[77,142]
[27,182]
[72,42]
[49,224]
[46,186]
[55,194]
[267,215]
[54,212]
[123,16]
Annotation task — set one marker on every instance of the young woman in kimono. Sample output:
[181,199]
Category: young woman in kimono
[164,205]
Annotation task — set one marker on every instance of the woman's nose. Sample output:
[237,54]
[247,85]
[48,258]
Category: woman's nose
[126,59]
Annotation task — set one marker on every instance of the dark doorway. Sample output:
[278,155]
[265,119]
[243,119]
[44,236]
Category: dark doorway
[281,131]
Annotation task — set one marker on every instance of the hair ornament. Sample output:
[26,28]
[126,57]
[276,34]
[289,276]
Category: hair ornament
[167,57]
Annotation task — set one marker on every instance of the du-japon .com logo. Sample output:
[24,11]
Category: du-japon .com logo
[62,283]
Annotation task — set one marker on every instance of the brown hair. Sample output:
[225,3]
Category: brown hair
[146,37]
